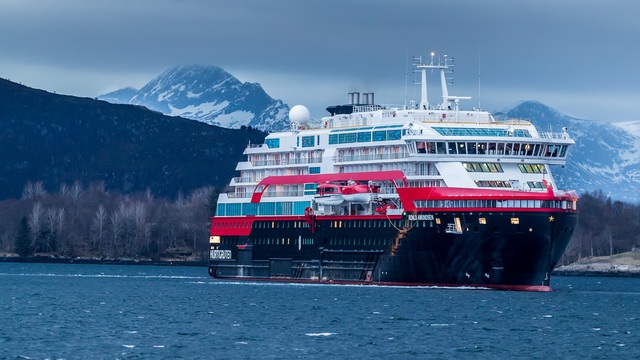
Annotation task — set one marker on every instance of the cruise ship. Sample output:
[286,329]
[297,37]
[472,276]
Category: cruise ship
[425,194]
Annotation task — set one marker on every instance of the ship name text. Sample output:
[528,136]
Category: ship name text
[220,254]
[415,217]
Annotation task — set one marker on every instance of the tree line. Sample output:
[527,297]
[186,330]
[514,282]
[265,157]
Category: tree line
[605,227]
[90,221]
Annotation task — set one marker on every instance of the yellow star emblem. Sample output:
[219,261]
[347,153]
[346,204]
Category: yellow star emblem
[551,218]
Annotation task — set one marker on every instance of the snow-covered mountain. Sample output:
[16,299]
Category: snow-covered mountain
[630,126]
[606,156]
[208,94]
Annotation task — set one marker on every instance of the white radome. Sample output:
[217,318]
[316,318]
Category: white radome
[299,114]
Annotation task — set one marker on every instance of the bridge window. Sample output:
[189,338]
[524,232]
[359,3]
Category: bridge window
[491,183]
[533,168]
[483,167]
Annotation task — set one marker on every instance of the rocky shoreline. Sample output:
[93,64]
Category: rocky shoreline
[619,265]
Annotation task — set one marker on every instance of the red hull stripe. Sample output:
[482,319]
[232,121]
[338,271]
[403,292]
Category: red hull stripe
[409,195]
[535,288]
[231,226]
[320,178]
[241,225]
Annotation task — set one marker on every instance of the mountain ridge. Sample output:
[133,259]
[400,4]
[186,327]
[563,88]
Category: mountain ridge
[59,139]
[208,94]
[606,157]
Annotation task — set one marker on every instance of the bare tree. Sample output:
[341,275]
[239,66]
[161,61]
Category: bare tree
[33,190]
[76,190]
[36,221]
[52,218]
[116,233]
[64,189]
[99,227]
[139,213]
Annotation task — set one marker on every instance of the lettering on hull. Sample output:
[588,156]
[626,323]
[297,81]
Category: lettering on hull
[220,254]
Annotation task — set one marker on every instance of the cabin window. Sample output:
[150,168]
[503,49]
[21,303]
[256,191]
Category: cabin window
[451,146]
[272,143]
[515,221]
[364,136]
[308,141]
[394,134]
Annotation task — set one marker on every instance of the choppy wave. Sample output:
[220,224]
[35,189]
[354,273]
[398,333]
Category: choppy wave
[66,311]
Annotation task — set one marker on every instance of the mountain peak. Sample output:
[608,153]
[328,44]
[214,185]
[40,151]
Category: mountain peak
[209,94]
[605,156]
[528,109]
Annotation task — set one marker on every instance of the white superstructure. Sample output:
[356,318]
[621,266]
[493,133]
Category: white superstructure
[434,145]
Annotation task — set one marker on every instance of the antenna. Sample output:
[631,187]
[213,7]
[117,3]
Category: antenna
[479,56]
[406,79]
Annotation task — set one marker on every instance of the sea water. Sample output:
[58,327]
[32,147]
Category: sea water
[54,311]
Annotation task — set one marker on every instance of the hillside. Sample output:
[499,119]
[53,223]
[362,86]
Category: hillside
[59,139]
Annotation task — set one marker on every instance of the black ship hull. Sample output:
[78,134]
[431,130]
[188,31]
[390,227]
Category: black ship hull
[514,250]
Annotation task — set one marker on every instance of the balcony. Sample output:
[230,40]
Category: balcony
[286,162]
[369,157]
[268,194]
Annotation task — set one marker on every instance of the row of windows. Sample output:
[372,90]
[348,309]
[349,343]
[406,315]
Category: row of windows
[449,131]
[490,148]
[506,184]
[280,224]
[536,185]
[533,168]
[307,241]
[368,136]
[263,208]
[490,183]
[368,128]
[483,167]
[333,224]
[368,223]
[523,204]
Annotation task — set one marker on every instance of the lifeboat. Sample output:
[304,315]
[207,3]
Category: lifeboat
[328,194]
[336,194]
[356,193]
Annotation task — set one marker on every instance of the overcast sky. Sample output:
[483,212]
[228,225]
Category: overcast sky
[580,57]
